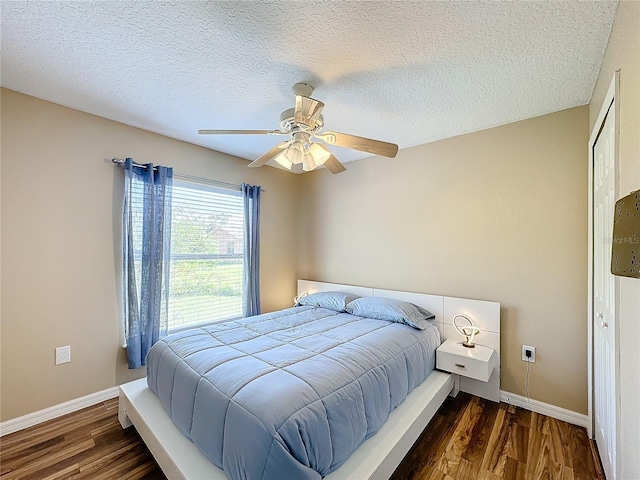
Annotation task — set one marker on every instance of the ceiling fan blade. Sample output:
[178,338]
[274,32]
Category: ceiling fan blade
[241,132]
[268,156]
[334,165]
[377,147]
[307,110]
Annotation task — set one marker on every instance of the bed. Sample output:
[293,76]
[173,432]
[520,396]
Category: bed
[285,433]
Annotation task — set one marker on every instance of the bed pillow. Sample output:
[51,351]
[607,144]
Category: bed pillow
[336,301]
[391,310]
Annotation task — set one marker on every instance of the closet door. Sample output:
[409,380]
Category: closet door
[605,366]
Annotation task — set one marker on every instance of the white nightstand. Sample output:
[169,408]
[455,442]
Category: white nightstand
[477,363]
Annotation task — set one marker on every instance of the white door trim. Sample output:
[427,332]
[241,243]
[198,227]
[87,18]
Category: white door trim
[612,96]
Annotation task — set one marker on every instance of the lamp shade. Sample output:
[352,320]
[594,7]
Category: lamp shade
[320,153]
[308,163]
[283,160]
[295,152]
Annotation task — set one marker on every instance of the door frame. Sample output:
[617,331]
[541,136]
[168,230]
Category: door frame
[612,97]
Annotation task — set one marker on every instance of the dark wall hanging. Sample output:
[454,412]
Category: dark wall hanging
[625,251]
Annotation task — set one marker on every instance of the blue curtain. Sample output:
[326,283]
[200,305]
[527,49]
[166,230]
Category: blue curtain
[146,235]
[251,291]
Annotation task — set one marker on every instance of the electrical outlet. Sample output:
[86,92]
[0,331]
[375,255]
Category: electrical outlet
[63,354]
[528,354]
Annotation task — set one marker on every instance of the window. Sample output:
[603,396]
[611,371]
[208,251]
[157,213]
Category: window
[206,273]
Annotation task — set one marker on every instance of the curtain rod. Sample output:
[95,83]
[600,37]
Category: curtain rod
[217,183]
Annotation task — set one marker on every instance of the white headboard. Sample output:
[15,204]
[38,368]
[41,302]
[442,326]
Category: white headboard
[484,314]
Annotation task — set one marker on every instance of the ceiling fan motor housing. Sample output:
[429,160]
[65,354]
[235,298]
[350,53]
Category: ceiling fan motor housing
[288,123]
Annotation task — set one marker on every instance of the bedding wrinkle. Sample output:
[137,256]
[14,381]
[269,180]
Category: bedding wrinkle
[170,375]
[365,409]
[288,394]
[407,372]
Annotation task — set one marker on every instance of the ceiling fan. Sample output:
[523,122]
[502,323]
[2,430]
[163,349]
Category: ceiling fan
[303,123]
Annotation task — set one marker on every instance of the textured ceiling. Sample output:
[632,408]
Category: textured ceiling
[400,71]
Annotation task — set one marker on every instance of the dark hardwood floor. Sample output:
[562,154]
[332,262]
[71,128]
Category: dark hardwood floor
[468,438]
[87,444]
[471,438]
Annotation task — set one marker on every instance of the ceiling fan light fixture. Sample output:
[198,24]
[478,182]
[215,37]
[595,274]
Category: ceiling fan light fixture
[283,160]
[319,152]
[295,152]
[309,163]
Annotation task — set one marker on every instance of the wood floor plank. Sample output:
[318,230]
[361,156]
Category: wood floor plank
[539,422]
[495,457]
[422,459]
[16,458]
[522,446]
[514,469]
[103,457]
[481,433]
[467,470]
[438,475]
[518,442]
[72,423]
[111,403]
[468,438]
[84,444]
[537,453]
[522,417]
[596,459]
[559,471]
[487,475]
[47,465]
[584,464]
[64,473]
[463,433]
[449,463]
[560,436]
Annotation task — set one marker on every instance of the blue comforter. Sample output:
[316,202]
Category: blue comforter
[289,394]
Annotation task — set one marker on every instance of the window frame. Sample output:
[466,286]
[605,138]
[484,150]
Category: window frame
[190,184]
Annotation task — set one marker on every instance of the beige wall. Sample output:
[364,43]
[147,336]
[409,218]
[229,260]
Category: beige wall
[623,53]
[500,215]
[60,244]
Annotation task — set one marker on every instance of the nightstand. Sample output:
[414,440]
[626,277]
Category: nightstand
[477,363]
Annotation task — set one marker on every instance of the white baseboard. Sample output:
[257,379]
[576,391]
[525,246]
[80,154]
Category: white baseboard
[31,419]
[547,409]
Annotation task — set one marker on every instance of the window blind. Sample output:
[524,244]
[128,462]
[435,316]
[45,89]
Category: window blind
[207,244]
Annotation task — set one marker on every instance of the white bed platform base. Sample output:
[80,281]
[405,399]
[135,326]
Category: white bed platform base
[377,458]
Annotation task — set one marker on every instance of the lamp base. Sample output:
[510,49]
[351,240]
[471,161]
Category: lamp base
[468,345]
